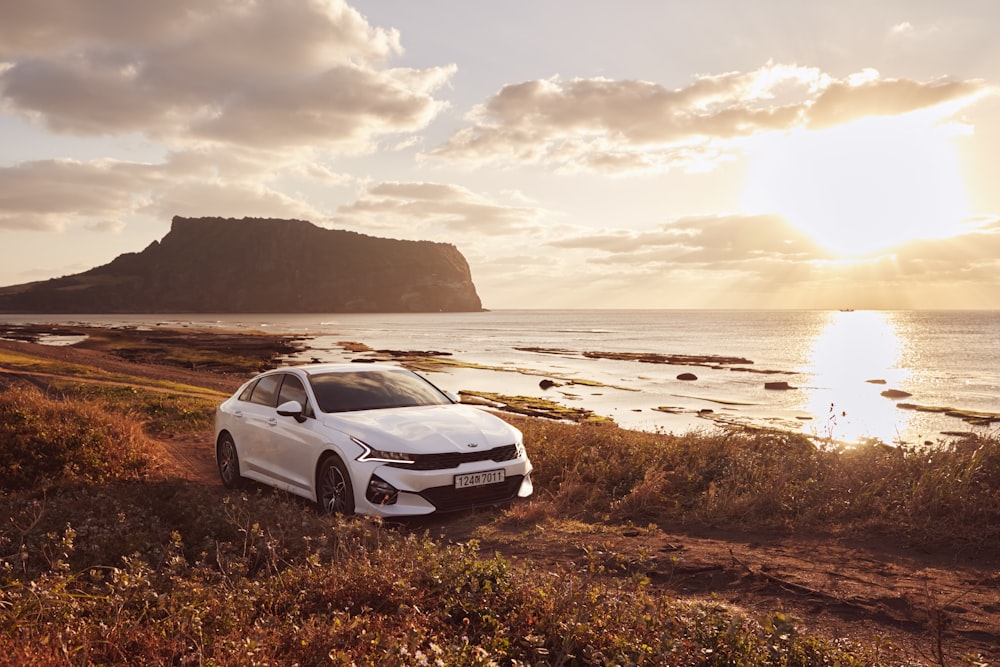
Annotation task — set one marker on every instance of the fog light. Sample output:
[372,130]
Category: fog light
[381,492]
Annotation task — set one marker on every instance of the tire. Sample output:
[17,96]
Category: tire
[334,491]
[229,462]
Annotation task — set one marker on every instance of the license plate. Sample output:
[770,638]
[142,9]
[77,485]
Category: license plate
[479,479]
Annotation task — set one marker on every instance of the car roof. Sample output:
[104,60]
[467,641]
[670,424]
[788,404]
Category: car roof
[319,369]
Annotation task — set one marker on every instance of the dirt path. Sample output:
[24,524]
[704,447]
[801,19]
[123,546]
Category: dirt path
[937,607]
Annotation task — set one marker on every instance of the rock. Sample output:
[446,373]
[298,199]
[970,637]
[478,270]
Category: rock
[253,265]
[896,393]
[778,385]
[875,381]
[547,383]
[687,376]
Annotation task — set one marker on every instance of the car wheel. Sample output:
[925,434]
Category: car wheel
[334,492]
[229,462]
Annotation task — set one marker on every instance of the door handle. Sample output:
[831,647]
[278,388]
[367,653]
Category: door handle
[272,421]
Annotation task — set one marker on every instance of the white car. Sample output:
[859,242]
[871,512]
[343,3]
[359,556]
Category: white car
[374,439]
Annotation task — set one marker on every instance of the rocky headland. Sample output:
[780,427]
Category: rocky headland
[252,265]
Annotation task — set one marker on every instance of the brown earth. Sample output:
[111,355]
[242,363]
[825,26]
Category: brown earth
[922,606]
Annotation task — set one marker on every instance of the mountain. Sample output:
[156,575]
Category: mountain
[220,265]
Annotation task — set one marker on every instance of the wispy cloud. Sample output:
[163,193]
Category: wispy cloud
[46,194]
[621,126]
[407,207]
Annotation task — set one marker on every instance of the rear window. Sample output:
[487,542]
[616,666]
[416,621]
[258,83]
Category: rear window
[373,390]
[266,390]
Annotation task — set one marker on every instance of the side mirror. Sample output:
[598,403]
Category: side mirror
[292,409]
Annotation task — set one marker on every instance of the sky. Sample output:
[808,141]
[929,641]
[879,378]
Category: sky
[580,154]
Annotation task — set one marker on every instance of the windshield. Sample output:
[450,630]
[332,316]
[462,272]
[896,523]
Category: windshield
[373,390]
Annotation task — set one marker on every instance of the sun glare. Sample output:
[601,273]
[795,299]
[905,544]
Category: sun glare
[862,187]
[853,349]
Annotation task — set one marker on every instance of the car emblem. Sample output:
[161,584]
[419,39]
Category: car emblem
[472,445]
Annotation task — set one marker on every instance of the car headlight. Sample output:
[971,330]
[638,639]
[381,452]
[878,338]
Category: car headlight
[370,453]
[519,444]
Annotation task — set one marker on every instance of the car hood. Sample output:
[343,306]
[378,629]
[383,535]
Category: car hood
[425,429]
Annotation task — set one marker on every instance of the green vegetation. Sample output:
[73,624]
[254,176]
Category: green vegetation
[159,412]
[22,362]
[102,564]
[243,353]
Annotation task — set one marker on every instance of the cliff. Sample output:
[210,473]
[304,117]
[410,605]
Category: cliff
[254,265]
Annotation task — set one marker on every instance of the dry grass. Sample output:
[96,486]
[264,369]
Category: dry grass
[98,566]
[947,494]
[43,439]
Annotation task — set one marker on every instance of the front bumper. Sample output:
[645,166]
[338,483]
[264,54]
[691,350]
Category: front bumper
[427,491]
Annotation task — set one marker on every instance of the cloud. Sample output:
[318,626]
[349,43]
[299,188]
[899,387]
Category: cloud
[49,194]
[52,195]
[972,256]
[621,126]
[227,200]
[760,261]
[406,207]
[287,74]
[911,33]
[703,240]
[842,102]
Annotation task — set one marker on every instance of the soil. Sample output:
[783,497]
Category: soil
[922,606]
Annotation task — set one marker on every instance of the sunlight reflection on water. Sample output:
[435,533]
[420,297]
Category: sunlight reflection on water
[851,350]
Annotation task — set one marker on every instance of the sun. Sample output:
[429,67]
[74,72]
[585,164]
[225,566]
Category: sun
[864,187]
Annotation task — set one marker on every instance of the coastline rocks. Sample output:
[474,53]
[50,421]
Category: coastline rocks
[687,376]
[710,360]
[974,417]
[779,386]
[547,383]
[896,393]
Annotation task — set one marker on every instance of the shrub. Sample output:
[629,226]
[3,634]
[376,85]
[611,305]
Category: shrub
[281,585]
[946,493]
[43,440]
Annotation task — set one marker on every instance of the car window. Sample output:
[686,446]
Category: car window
[372,390]
[292,390]
[245,395]
[266,390]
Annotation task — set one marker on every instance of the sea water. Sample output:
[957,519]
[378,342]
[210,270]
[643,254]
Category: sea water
[837,363]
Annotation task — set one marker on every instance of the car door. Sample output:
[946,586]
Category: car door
[259,417]
[293,445]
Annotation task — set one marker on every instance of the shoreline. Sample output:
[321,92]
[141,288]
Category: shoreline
[445,365]
[559,391]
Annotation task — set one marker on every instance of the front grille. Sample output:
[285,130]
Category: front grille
[453,460]
[448,498]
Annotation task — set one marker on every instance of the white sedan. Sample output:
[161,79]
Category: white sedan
[377,439]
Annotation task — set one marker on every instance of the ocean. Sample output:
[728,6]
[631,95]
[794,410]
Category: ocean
[837,363]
